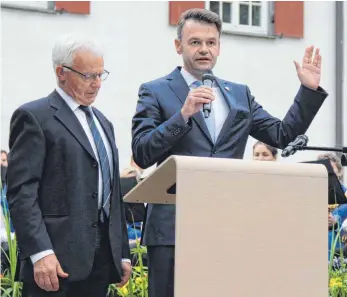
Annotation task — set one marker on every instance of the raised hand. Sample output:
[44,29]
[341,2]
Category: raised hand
[310,71]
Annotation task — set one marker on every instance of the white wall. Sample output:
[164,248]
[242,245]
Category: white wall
[139,47]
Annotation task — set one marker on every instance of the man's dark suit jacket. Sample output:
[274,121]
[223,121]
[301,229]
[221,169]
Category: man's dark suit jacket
[160,131]
[53,188]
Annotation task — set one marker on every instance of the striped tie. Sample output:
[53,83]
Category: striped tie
[210,121]
[103,161]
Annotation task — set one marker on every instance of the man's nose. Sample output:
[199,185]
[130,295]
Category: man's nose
[203,48]
[97,82]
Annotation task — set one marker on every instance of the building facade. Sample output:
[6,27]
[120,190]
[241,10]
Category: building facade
[259,43]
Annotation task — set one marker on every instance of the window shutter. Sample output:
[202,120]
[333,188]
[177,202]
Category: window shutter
[82,7]
[289,18]
[176,8]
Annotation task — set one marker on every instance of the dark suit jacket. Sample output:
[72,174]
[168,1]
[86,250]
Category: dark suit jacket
[53,184]
[160,131]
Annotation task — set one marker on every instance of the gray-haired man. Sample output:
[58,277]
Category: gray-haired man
[63,183]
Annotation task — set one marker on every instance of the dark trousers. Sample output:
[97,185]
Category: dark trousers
[96,284]
[161,266]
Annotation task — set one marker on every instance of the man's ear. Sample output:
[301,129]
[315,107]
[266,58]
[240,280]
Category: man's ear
[59,71]
[178,45]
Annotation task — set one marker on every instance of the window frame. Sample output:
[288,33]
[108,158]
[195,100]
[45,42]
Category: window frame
[29,5]
[266,19]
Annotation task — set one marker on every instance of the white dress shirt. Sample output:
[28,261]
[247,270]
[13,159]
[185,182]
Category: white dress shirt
[81,116]
[219,106]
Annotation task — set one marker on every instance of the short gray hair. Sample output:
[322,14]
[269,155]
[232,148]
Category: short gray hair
[198,15]
[66,47]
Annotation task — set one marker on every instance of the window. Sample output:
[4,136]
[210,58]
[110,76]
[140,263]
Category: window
[78,7]
[42,5]
[242,17]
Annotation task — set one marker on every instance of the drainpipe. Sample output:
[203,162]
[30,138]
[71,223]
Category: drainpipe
[339,23]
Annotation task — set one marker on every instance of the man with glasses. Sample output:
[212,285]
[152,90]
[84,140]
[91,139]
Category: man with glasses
[63,183]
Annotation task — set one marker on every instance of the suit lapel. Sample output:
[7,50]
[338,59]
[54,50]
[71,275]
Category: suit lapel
[67,117]
[227,92]
[181,89]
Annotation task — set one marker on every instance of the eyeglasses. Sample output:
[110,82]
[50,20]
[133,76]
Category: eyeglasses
[90,77]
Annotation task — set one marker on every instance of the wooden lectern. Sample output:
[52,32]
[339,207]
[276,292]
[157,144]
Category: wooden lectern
[244,228]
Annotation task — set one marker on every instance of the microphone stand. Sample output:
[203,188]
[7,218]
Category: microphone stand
[342,150]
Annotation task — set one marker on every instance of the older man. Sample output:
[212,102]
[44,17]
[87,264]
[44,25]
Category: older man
[63,183]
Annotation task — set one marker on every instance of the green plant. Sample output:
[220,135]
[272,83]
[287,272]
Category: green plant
[9,286]
[337,268]
[137,286]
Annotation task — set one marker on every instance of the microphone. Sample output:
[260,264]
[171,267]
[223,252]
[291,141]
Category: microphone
[300,141]
[207,80]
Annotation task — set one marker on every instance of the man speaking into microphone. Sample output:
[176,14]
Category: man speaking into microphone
[170,120]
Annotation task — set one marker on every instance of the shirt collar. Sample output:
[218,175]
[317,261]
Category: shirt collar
[188,77]
[67,98]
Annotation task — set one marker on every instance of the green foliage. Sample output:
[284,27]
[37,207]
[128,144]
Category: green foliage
[9,287]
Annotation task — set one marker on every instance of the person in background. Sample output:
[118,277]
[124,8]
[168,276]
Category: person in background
[335,164]
[134,212]
[338,215]
[264,152]
[3,166]
[4,158]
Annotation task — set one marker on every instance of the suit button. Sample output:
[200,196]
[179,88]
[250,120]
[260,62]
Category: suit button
[95,164]
[94,224]
[95,194]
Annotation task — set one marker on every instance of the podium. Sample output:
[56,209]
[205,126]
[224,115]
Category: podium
[244,228]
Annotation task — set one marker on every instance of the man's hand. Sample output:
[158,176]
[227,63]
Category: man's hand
[46,272]
[195,100]
[126,273]
[310,70]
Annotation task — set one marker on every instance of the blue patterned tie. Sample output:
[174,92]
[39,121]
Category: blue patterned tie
[210,121]
[103,161]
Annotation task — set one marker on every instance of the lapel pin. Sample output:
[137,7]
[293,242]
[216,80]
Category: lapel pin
[227,88]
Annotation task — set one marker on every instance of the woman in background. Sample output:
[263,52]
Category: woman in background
[264,152]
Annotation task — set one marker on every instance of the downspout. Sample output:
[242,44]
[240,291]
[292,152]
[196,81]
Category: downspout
[339,63]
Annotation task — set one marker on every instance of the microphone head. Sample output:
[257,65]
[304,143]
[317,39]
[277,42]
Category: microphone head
[207,76]
[285,153]
[302,139]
